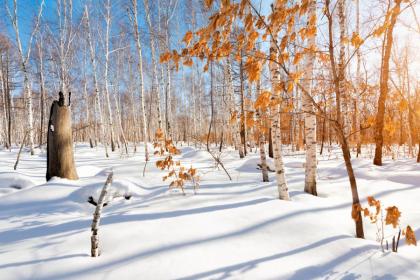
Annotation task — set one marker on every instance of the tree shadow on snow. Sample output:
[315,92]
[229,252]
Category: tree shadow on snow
[15,235]
[186,244]
[227,271]
[8,265]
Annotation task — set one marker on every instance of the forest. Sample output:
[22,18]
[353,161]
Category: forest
[209,139]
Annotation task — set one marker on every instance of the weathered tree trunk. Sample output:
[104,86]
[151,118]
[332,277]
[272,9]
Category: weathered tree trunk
[383,87]
[60,160]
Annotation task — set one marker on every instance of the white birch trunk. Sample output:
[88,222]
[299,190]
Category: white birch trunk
[231,98]
[309,117]
[341,67]
[275,125]
[85,95]
[155,82]
[95,81]
[107,99]
[140,69]
[261,140]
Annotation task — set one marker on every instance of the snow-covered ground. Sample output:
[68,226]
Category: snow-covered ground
[229,230]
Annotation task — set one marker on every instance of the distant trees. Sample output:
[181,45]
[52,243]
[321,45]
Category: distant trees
[311,90]
[24,64]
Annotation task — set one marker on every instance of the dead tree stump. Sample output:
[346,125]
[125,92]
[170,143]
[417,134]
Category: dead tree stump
[60,160]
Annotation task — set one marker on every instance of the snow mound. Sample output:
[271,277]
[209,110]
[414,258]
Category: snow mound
[119,189]
[13,181]
[88,170]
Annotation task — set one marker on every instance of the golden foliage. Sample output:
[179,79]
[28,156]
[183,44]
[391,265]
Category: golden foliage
[187,38]
[165,57]
[208,3]
[263,100]
[410,236]
[356,40]
[253,68]
[178,173]
[392,216]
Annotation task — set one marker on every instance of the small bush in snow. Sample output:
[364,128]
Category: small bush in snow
[176,172]
[376,216]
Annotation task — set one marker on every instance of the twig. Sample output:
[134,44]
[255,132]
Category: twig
[20,150]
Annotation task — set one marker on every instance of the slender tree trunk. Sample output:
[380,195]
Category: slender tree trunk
[310,118]
[9,103]
[261,140]
[42,91]
[383,87]
[95,82]
[5,97]
[233,113]
[275,124]
[344,106]
[339,128]
[140,69]
[270,143]
[155,82]
[358,86]
[85,95]
[106,69]
[243,113]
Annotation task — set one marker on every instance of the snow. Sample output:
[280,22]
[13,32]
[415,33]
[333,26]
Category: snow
[13,181]
[228,230]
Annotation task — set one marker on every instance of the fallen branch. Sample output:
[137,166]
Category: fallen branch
[97,217]
[20,150]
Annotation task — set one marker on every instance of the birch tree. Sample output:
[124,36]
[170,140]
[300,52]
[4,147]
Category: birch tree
[140,70]
[95,81]
[308,109]
[276,118]
[106,77]
[341,5]
[155,82]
